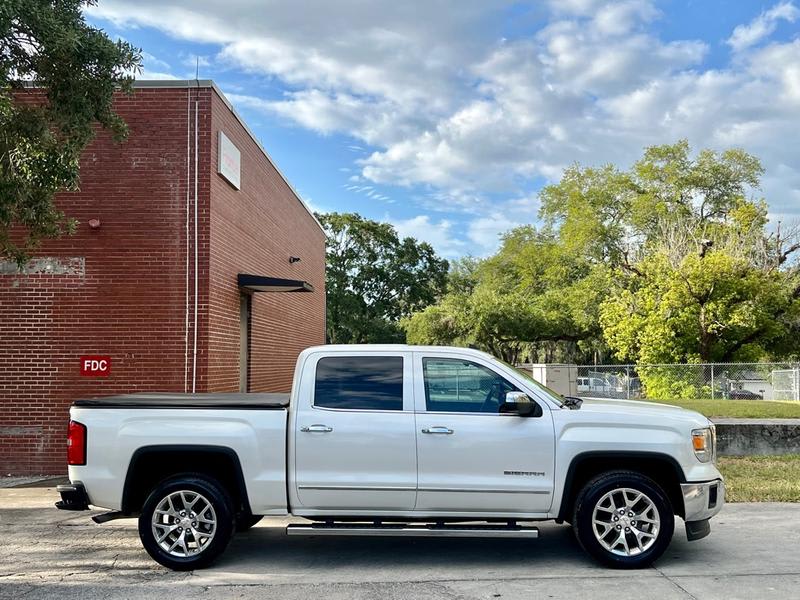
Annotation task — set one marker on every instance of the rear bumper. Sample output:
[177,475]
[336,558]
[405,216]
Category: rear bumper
[73,497]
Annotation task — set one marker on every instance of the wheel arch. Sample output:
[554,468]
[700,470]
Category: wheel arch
[662,468]
[149,465]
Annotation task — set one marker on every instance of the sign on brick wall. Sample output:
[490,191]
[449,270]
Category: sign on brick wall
[230,161]
[95,366]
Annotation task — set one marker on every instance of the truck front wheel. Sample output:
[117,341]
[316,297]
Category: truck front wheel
[623,519]
[186,522]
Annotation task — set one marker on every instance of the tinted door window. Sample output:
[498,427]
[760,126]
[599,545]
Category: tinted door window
[461,386]
[359,382]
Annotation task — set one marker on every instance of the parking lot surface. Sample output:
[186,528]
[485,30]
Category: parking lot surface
[753,552]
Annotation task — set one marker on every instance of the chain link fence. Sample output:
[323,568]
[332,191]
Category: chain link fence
[716,381]
[742,381]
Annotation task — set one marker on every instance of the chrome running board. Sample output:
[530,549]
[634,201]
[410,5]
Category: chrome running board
[413,530]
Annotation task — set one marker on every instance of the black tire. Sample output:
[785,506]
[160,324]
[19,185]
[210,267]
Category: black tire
[246,521]
[594,492]
[219,500]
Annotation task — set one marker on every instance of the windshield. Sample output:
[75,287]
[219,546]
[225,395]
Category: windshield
[546,391]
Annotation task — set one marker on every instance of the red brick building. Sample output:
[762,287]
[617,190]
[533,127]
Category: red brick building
[181,228]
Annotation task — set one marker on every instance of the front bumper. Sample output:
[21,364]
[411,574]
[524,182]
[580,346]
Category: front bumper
[701,501]
[73,497]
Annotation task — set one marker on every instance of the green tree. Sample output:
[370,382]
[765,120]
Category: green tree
[696,274]
[374,279]
[711,308]
[48,45]
[669,261]
[617,217]
[532,299]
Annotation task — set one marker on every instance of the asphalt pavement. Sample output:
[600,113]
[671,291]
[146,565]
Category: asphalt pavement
[753,553]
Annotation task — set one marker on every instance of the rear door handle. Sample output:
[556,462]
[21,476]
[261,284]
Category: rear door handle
[439,430]
[317,429]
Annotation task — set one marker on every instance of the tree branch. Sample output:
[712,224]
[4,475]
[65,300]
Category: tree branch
[789,251]
[628,266]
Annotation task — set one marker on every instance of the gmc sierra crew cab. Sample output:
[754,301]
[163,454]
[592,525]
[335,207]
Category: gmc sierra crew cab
[395,441]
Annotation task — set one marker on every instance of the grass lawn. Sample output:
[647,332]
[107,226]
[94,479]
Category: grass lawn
[761,478]
[753,409]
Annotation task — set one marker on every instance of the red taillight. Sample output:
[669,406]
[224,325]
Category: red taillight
[76,444]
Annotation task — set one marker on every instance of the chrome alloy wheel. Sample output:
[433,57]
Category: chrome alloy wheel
[626,522]
[184,523]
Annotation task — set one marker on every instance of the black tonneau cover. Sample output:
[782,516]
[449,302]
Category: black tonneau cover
[172,400]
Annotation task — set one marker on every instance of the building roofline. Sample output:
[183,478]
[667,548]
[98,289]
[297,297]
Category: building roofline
[208,83]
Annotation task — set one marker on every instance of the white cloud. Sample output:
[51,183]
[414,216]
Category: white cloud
[148,74]
[313,109]
[436,98]
[574,7]
[485,232]
[312,205]
[154,62]
[535,111]
[621,17]
[153,68]
[479,236]
[196,62]
[779,65]
[762,26]
[442,235]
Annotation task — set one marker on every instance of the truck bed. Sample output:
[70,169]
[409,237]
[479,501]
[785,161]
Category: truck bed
[238,401]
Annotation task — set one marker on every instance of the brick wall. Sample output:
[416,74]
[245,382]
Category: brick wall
[255,230]
[120,290]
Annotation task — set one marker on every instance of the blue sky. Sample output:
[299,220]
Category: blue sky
[446,117]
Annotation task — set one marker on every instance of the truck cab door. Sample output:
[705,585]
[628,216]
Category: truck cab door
[474,458]
[354,446]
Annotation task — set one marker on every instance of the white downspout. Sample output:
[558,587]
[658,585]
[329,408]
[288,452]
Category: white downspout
[194,343]
[188,196]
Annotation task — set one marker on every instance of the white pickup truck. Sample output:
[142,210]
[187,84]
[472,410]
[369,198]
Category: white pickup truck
[397,441]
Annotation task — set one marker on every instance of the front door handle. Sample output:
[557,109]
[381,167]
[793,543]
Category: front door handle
[439,430]
[317,429]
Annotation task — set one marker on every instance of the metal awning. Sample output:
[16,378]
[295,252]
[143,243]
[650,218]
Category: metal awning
[259,283]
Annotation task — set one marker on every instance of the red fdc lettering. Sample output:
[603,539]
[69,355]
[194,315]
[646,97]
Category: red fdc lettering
[95,366]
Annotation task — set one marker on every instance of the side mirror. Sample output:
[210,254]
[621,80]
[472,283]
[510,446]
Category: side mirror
[519,403]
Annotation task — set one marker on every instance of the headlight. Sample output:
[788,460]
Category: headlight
[703,443]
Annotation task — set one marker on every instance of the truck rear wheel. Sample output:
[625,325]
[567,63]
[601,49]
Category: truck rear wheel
[186,522]
[623,519]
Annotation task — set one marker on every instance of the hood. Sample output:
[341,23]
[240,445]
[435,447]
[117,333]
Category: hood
[644,410]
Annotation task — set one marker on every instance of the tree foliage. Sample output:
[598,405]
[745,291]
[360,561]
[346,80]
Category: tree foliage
[618,217]
[374,279]
[669,261]
[529,297]
[698,277]
[48,45]
[714,308]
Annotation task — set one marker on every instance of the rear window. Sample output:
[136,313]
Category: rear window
[359,382]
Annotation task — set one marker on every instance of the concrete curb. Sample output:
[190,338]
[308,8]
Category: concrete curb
[757,437]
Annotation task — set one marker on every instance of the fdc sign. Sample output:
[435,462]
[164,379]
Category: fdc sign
[95,366]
